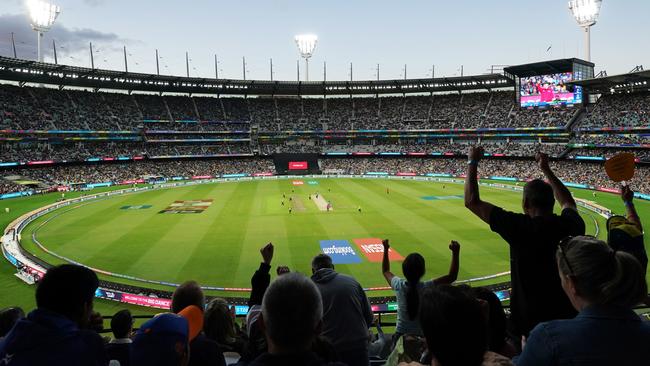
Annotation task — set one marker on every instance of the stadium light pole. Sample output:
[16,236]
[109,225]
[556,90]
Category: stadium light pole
[306,45]
[586,14]
[13,44]
[42,14]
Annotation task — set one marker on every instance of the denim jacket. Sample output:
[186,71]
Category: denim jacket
[599,335]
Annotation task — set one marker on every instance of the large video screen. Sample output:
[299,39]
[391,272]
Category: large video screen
[549,90]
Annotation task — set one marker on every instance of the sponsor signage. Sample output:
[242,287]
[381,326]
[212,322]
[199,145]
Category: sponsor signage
[297,182]
[340,251]
[374,250]
[183,207]
[610,190]
[298,165]
[132,181]
[135,207]
[435,198]
[153,302]
[312,183]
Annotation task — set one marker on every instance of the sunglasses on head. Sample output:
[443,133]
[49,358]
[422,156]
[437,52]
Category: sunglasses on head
[562,245]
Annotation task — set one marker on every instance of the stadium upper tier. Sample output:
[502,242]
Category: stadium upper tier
[26,108]
[27,71]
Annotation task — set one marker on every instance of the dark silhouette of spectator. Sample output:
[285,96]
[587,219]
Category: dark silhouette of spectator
[55,333]
[119,348]
[292,311]
[203,351]
[259,283]
[455,328]
[162,341]
[219,325]
[498,341]
[626,233]
[537,295]
[9,317]
[346,311]
[408,290]
[603,285]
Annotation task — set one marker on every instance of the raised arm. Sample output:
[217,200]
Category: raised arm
[627,195]
[473,201]
[562,194]
[385,263]
[449,278]
[261,278]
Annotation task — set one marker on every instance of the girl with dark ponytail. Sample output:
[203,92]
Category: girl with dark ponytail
[408,290]
[603,285]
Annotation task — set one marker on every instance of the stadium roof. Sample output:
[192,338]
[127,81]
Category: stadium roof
[545,67]
[639,80]
[26,71]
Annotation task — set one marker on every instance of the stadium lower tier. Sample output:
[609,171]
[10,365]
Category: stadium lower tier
[34,179]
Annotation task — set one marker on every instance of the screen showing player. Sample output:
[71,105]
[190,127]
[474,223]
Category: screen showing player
[549,90]
[298,165]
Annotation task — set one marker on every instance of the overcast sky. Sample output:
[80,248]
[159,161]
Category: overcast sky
[472,33]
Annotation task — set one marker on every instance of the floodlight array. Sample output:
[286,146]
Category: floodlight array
[585,11]
[43,14]
[306,44]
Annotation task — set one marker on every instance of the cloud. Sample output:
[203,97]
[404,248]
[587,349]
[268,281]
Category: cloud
[69,40]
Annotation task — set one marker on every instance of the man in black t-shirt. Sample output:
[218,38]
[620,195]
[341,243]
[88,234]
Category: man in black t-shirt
[533,237]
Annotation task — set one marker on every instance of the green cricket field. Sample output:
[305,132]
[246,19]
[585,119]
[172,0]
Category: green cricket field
[212,233]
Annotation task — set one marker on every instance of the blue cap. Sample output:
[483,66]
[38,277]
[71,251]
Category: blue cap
[162,340]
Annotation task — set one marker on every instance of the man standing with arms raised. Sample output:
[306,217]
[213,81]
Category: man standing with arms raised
[533,237]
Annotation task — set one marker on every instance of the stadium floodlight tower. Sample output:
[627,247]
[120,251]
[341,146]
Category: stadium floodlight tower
[43,14]
[586,13]
[306,44]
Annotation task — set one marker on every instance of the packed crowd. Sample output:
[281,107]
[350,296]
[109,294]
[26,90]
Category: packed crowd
[588,173]
[75,152]
[95,173]
[583,173]
[643,155]
[613,139]
[25,108]
[619,110]
[508,148]
[572,302]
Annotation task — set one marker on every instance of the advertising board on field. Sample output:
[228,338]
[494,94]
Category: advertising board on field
[340,251]
[373,249]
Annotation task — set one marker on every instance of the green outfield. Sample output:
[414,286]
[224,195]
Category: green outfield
[218,242]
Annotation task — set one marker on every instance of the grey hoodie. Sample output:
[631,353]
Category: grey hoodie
[346,310]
